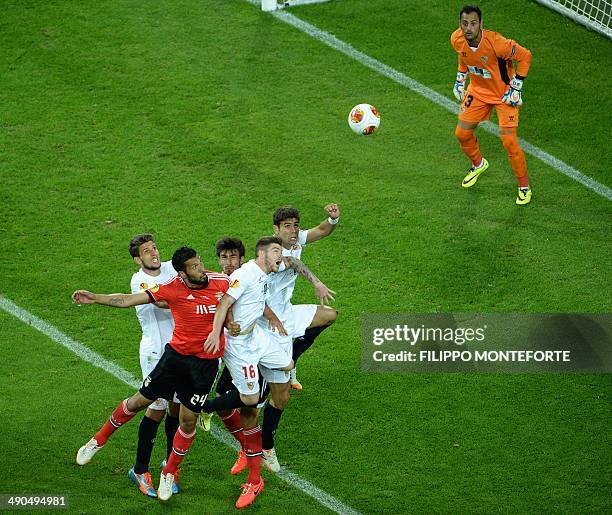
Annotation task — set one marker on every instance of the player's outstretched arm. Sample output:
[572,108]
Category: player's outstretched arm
[115,300]
[322,292]
[326,227]
[211,344]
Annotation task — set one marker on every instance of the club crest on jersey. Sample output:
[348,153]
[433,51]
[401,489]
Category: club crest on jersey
[143,286]
[250,386]
[234,283]
[485,58]
[219,295]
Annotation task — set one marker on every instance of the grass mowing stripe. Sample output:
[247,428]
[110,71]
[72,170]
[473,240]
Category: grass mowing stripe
[95,359]
[436,98]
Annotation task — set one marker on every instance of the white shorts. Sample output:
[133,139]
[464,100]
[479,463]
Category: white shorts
[296,320]
[149,356]
[243,355]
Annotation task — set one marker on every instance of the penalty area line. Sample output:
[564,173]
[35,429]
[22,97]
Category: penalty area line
[435,97]
[86,354]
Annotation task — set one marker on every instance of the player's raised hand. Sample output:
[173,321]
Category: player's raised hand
[332,210]
[323,293]
[276,325]
[211,345]
[83,297]
[513,96]
[459,87]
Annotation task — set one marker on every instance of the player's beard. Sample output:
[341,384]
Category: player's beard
[199,282]
[151,267]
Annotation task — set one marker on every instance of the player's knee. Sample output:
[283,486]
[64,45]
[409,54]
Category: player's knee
[324,316]
[511,144]
[281,399]
[248,417]
[155,414]
[249,400]
[463,135]
[138,402]
[328,315]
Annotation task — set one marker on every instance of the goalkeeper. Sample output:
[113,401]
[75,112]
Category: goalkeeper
[489,58]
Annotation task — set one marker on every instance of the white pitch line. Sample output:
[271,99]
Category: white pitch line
[383,69]
[96,360]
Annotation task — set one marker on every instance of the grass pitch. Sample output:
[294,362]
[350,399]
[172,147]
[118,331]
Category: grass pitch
[197,119]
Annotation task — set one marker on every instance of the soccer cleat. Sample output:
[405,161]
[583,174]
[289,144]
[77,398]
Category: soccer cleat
[176,487]
[249,492]
[166,482]
[143,482]
[240,465]
[524,196]
[294,383]
[87,452]
[270,460]
[473,174]
[204,421]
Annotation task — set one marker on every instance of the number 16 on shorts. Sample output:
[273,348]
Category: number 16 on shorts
[250,376]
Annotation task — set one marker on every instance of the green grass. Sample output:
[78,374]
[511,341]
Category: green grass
[197,119]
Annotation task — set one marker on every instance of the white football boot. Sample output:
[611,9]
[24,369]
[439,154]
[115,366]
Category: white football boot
[87,452]
[270,460]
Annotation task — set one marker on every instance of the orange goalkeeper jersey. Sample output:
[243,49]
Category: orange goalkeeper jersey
[491,65]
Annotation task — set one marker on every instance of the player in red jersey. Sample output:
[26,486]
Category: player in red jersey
[488,57]
[185,367]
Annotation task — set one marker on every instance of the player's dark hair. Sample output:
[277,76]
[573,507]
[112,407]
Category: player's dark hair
[265,242]
[180,256]
[467,9]
[284,213]
[227,243]
[137,241]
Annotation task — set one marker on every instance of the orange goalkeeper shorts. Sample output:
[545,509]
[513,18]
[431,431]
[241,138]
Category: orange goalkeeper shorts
[473,110]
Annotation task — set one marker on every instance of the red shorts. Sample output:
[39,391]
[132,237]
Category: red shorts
[473,110]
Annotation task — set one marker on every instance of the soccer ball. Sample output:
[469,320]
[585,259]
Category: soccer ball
[364,119]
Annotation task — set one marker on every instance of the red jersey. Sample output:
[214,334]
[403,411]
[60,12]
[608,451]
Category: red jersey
[491,65]
[193,311]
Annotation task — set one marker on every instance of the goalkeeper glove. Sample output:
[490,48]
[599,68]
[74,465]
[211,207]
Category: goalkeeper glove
[459,87]
[513,96]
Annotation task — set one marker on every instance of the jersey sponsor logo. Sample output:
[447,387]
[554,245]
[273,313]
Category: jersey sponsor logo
[235,283]
[203,309]
[475,70]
